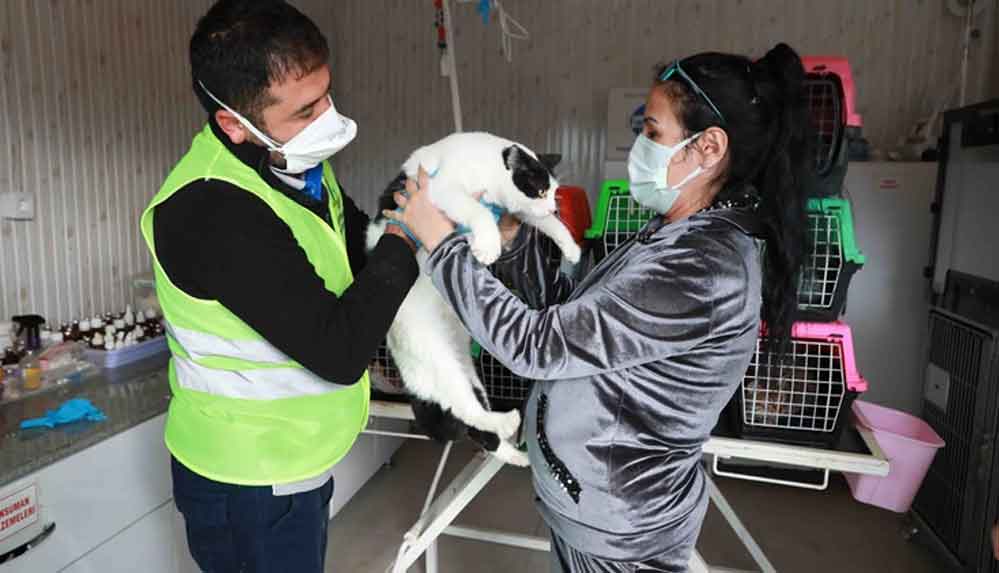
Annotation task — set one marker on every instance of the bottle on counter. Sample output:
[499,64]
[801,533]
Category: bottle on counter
[31,370]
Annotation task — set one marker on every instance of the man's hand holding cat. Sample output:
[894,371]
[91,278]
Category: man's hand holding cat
[423,219]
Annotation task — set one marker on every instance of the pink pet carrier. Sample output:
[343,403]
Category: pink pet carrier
[830,97]
[806,397]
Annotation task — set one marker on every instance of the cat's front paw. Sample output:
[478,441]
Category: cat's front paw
[486,247]
[572,252]
[511,455]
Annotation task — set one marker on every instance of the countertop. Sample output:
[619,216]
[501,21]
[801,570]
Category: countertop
[128,395]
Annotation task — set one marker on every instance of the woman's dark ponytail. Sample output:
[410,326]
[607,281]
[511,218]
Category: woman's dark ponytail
[778,79]
[770,153]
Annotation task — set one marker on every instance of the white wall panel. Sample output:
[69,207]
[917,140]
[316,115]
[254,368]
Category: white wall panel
[96,101]
[96,108]
[905,56]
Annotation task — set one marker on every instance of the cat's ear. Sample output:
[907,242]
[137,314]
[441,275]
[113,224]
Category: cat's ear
[513,156]
[550,160]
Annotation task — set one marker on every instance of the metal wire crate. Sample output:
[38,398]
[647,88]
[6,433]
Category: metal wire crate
[834,258]
[386,382]
[617,218]
[505,389]
[804,398]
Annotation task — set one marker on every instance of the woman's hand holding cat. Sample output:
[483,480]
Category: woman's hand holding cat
[428,223]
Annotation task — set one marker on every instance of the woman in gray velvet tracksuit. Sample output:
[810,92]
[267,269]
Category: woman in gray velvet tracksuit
[635,362]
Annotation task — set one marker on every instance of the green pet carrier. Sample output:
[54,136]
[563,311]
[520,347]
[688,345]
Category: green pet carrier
[832,262]
[617,218]
[825,278]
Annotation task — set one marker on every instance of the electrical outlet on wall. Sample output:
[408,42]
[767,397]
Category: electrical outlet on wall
[16,205]
[937,389]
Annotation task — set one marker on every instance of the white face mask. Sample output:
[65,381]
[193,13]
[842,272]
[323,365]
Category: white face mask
[317,142]
[648,173]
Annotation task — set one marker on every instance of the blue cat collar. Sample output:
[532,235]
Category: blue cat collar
[402,226]
[497,211]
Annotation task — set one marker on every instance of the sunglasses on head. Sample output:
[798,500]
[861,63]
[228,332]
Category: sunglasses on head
[675,69]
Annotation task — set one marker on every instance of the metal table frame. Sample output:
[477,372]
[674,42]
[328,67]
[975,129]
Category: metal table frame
[440,512]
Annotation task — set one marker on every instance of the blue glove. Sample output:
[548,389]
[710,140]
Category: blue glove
[70,411]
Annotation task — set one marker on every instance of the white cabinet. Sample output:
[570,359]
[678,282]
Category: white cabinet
[368,455]
[113,505]
[94,495]
[146,545]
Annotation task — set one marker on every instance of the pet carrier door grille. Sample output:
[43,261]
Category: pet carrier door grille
[384,375]
[953,496]
[617,218]
[804,392]
[821,273]
[624,218]
[832,261]
[502,386]
[825,102]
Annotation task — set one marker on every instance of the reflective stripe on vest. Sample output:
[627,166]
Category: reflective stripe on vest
[278,377]
[263,384]
[203,344]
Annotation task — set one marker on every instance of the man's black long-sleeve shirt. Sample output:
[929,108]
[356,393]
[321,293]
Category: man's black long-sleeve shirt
[216,241]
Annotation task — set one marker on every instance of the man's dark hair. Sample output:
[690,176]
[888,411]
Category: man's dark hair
[240,47]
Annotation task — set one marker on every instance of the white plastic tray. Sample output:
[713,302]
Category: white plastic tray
[120,357]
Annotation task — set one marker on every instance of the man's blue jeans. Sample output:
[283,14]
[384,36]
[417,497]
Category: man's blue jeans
[233,528]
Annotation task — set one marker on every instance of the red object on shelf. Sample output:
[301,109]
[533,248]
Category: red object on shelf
[574,210]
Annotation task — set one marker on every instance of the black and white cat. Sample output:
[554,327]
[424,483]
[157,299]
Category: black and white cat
[427,341]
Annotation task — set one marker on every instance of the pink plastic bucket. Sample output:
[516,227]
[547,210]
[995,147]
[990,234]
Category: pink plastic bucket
[909,444]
